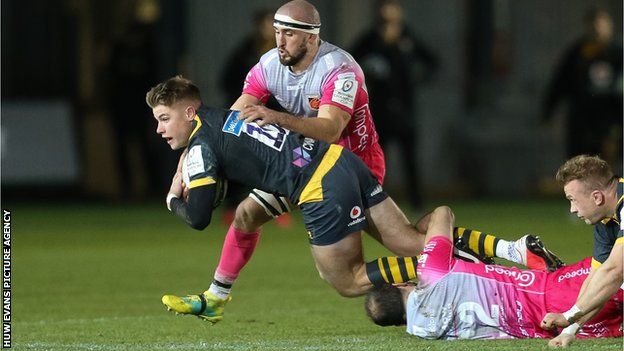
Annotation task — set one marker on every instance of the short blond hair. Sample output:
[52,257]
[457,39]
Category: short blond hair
[593,171]
[171,91]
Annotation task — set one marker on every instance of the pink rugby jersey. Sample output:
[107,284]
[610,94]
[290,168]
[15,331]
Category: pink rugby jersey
[332,78]
[457,299]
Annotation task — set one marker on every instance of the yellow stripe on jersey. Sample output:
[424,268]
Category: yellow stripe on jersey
[595,264]
[200,182]
[313,191]
[393,263]
[199,124]
[409,265]
[619,240]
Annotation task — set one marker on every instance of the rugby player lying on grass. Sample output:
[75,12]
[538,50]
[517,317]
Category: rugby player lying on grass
[454,299]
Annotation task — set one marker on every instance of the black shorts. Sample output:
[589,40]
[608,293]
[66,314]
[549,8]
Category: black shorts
[334,200]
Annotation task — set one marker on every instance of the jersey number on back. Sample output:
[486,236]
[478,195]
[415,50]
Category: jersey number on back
[467,312]
[270,135]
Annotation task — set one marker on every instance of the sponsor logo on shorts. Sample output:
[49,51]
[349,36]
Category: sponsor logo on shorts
[356,214]
[422,259]
[524,278]
[430,246]
[576,273]
[356,211]
[378,189]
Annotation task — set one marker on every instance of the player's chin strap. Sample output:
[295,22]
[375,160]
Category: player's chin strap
[287,22]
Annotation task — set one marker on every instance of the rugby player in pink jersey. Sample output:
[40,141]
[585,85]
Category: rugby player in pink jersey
[455,299]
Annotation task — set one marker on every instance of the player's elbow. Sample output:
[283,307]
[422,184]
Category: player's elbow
[331,137]
[199,223]
[331,130]
[334,137]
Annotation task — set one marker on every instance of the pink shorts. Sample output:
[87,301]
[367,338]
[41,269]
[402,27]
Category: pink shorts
[436,260]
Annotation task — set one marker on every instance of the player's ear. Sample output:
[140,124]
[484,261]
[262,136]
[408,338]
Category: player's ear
[190,112]
[313,38]
[598,197]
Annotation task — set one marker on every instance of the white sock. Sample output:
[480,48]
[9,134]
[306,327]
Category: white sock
[219,291]
[507,250]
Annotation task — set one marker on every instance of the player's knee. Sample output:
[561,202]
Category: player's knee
[249,216]
[346,289]
[443,213]
[351,291]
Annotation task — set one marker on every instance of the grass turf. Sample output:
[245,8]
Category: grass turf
[91,277]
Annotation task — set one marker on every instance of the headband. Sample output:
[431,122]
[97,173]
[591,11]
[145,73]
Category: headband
[287,22]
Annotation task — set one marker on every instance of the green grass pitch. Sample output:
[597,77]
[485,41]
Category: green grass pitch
[89,277]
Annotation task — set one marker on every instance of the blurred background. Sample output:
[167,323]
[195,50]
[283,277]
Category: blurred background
[501,92]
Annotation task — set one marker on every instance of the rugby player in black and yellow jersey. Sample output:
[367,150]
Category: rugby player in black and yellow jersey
[596,197]
[336,192]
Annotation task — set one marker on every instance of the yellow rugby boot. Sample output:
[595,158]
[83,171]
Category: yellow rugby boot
[205,305]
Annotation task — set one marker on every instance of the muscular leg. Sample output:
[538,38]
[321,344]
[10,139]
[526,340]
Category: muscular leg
[389,226]
[342,265]
[486,245]
[250,216]
[238,247]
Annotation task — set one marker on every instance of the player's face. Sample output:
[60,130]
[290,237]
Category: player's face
[174,124]
[291,45]
[582,202]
